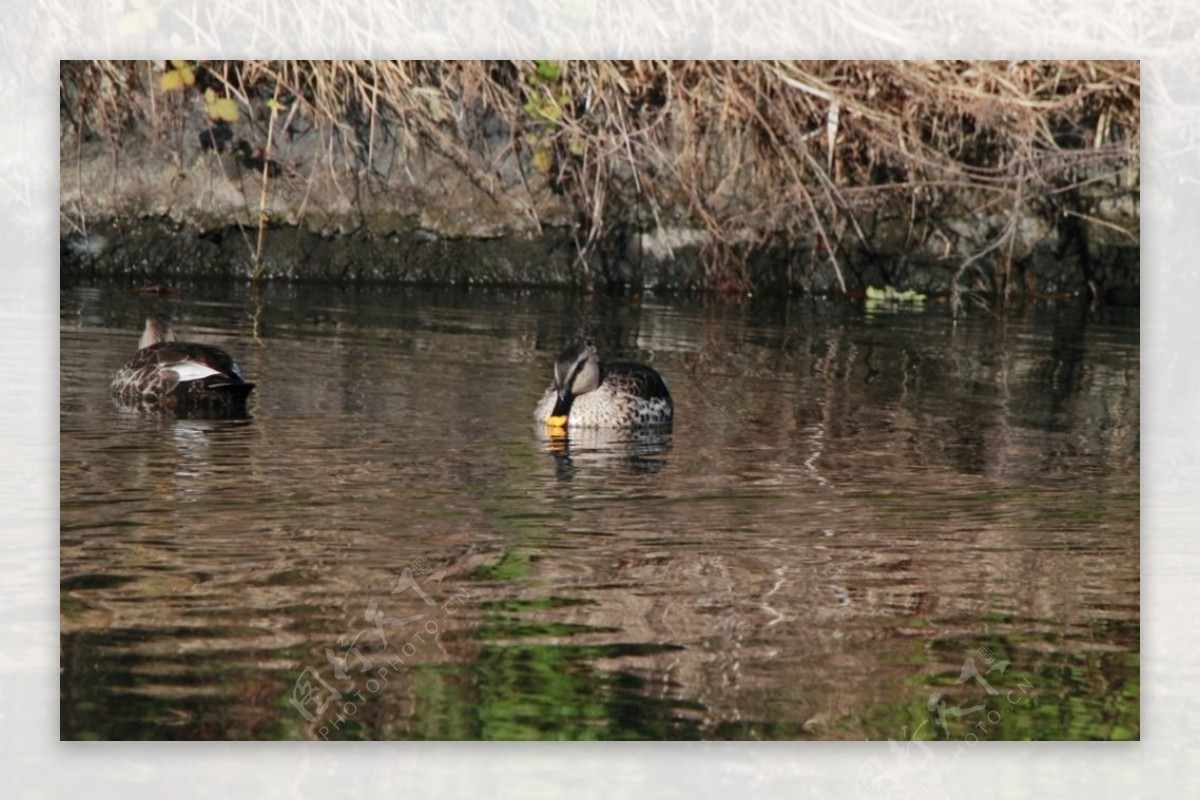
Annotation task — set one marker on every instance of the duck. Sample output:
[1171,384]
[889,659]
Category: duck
[589,394]
[182,377]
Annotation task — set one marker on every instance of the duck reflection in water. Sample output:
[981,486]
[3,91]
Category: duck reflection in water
[603,449]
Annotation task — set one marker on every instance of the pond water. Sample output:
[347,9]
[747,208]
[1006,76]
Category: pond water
[866,523]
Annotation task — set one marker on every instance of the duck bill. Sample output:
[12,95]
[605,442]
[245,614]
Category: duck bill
[558,416]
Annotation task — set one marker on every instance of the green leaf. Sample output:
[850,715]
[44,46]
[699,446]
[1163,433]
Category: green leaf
[549,71]
[890,294]
[550,111]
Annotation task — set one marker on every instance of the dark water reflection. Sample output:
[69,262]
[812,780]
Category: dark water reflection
[862,525]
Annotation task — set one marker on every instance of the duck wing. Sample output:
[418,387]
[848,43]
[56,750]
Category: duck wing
[636,379]
[192,361]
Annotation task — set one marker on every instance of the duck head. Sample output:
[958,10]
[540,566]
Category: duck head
[158,329]
[576,372]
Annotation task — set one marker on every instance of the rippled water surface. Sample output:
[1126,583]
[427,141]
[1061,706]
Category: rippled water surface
[865,523]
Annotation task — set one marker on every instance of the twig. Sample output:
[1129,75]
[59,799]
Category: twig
[1007,234]
[262,205]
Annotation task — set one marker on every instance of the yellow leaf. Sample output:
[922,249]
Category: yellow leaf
[210,96]
[178,78]
[171,81]
[223,109]
[543,159]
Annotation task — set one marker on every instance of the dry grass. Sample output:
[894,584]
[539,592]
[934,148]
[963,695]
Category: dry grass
[756,153]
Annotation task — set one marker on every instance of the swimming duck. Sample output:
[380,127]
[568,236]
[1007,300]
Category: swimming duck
[588,394]
[184,377]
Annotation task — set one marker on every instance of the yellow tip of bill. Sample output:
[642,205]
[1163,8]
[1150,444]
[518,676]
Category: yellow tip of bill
[557,422]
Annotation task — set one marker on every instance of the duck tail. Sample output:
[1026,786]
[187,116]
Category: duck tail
[236,391]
